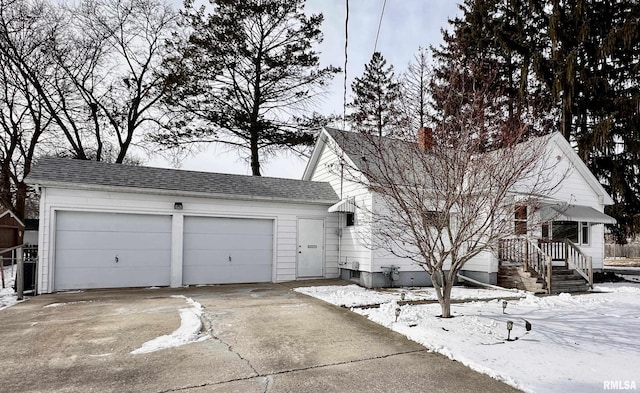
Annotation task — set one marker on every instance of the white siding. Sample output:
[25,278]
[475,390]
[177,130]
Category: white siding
[284,215]
[352,250]
[574,189]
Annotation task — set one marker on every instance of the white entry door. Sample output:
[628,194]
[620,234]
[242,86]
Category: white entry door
[310,247]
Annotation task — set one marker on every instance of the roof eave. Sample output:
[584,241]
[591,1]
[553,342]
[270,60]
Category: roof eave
[177,193]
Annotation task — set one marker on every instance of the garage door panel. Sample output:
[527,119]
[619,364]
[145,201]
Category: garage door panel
[221,257]
[112,240]
[209,242]
[87,244]
[111,222]
[197,275]
[227,241]
[107,278]
[106,258]
[236,226]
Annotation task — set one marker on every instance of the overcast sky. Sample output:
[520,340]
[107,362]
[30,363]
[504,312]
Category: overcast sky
[406,26]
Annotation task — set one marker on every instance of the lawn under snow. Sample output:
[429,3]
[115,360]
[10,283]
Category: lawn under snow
[580,343]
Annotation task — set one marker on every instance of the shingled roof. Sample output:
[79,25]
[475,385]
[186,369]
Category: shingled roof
[81,174]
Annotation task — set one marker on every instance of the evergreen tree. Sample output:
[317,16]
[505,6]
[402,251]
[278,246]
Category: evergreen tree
[376,102]
[573,66]
[246,76]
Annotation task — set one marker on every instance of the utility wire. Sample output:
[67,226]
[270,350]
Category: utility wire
[384,5]
[346,54]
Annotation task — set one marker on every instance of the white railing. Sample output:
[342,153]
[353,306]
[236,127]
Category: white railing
[579,262]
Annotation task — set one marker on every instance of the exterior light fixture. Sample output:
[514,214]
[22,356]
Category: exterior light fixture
[397,313]
[412,283]
[504,305]
[177,206]
[402,295]
[509,327]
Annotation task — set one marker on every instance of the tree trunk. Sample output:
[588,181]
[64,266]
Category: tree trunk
[442,287]
[255,159]
[445,303]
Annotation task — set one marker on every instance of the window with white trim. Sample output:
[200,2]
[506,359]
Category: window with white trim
[577,232]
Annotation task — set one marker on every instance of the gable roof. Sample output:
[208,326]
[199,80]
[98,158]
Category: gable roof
[92,175]
[8,212]
[353,144]
[349,142]
[564,145]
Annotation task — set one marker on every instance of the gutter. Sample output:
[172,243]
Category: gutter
[156,191]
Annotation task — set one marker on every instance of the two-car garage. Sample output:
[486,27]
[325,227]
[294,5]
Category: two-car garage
[110,250]
[108,225]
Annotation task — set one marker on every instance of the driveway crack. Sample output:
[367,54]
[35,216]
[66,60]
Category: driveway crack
[268,378]
[207,324]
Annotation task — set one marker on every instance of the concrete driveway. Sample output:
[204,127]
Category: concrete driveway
[265,338]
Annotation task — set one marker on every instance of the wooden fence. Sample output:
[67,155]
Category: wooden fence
[626,250]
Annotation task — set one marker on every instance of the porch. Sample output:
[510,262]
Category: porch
[543,265]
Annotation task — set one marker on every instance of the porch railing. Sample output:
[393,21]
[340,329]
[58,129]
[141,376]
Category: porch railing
[23,259]
[540,257]
[579,262]
[529,255]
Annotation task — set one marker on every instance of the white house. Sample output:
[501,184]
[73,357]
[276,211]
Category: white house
[576,211]
[111,225]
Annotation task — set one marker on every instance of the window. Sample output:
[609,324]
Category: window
[577,232]
[350,219]
[520,220]
[584,226]
[545,230]
[436,219]
[565,230]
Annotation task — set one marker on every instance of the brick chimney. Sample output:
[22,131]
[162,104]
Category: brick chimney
[425,138]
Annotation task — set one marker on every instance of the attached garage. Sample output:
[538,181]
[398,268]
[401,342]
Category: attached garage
[111,250]
[112,226]
[227,250]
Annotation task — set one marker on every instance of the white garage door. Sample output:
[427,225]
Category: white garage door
[227,250]
[110,250]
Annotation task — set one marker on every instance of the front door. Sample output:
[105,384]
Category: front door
[310,247]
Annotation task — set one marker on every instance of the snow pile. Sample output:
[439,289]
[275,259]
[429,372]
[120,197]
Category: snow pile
[576,343]
[188,332]
[8,296]
[354,295]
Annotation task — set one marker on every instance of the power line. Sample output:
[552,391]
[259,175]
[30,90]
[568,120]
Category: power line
[384,5]
[346,54]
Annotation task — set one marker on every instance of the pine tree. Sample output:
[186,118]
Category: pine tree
[376,105]
[247,77]
[570,66]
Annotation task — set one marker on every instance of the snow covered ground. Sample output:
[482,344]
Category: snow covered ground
[7,294]
[188,332]
[580,343]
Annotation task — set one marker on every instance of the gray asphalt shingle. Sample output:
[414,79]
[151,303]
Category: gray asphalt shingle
[100,175]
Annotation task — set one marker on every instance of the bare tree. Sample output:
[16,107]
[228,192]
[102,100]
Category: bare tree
[444,200]
[110,56]
[23,118]
[414,90]
[92,66]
